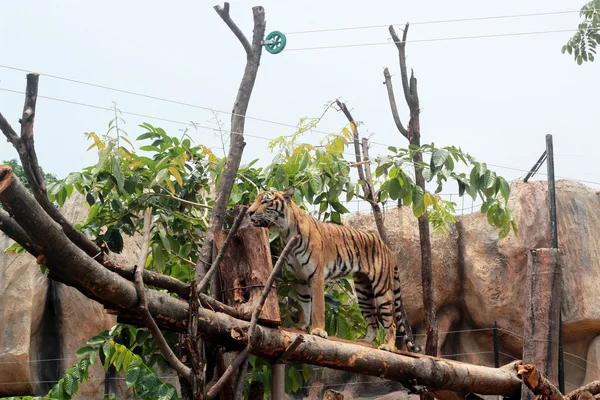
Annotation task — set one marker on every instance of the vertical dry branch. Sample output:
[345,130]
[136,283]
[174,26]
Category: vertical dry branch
[365,174]
[373,201]
[24,145]
[236,142]
[356,139]
[143,300]
[413,134]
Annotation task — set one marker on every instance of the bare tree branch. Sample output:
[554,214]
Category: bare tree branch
[537,383]
[143,300]
[393,106]
[593,388]
[25,147]
[14,231]
[217,387]
[354,127]
[413,134]
[377,214]
[224,14]
[8,131]
[401,45]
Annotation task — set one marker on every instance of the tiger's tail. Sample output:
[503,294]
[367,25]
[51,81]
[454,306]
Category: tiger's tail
[402,323]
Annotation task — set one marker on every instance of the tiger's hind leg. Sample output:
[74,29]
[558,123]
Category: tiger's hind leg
[367,306]
[385,304]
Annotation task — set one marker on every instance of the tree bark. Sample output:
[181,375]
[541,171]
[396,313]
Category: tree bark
[413,134]
[542,313]
[244,270]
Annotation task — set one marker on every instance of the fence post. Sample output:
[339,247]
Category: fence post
[496,349]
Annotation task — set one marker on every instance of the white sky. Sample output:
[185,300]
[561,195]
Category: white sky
[497,98]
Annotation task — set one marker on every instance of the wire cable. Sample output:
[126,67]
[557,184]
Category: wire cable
[443,21]
[249,135]
[452,38]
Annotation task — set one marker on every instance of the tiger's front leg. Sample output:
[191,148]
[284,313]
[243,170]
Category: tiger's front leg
[317,285]
[304,298]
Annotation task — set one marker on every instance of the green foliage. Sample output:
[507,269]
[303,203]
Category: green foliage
[482,182]
[142,379]
[582,45]
[170,177]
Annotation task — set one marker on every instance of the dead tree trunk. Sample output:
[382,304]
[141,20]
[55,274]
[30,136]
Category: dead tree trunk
[236,142]
[238,117]
[413,134]
[544,295]
[245,268]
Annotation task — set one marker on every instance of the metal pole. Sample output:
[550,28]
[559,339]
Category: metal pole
[496,349]
[554,244]
[535,167]
[278,386]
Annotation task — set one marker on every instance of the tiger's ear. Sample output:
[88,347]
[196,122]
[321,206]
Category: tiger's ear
[289,193]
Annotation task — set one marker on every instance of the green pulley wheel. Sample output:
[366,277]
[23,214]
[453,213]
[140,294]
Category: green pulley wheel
[275,42]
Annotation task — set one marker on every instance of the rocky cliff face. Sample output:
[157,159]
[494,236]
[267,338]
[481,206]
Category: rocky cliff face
[478,279]
[43,323]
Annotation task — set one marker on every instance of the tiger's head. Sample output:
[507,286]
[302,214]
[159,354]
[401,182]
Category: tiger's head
[270,209]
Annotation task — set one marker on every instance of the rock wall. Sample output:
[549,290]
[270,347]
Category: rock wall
[480,279]
[43,323]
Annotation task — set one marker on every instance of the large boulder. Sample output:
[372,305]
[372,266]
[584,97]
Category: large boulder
[480,279]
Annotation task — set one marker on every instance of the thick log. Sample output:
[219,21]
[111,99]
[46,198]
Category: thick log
[544,295]
[244,270]
[73,266]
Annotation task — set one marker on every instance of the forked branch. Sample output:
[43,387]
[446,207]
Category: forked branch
[224,14]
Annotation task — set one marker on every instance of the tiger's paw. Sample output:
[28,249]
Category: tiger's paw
[319,332]
[385,347]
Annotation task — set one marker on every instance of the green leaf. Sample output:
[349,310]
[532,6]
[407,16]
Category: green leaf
[504,188]
[93,212]
[158,258]
[438,158]
[162,174]
[116,171]
[307,372]
[407,198]
[315,182]
[97,340]
[69,384]
[339,208]
[84,351]
[90,199]
[418,201]
[394,188]
[489,179]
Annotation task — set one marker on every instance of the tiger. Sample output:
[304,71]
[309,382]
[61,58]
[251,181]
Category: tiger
[326,251]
